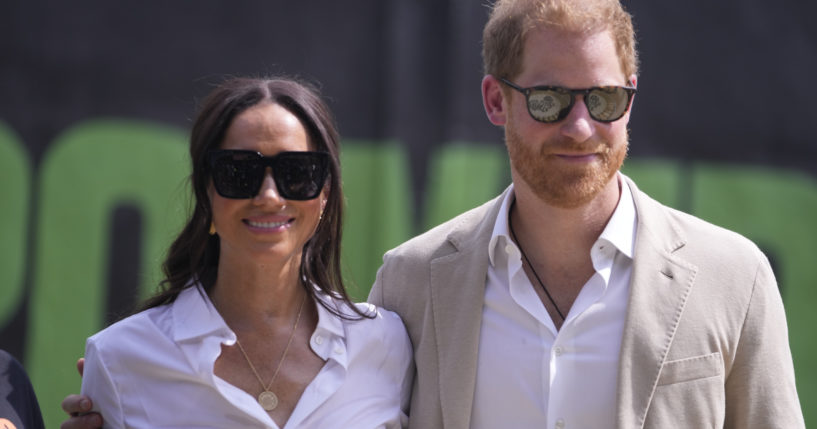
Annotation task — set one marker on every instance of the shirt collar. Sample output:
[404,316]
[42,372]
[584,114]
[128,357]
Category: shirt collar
[195,316]
[329,339]
[326,320]
[619,231]
[501,226]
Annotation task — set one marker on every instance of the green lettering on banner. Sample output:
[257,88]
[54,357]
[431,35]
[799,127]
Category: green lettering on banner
[15,187]
[377,216]
[376,183]
[776,209]
[89,171]
[463,176]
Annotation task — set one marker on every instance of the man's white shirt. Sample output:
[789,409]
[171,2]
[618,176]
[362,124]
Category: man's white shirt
[528,373]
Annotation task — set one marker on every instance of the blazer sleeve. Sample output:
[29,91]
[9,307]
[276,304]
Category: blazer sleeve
[376,293]
[760,388]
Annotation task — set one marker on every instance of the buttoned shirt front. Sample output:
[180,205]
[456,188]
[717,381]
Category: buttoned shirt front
[155,369]
[528,373]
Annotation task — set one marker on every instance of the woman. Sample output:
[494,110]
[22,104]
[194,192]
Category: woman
[253,327]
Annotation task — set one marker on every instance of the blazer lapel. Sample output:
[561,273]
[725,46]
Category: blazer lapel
[659,287]
[458,294]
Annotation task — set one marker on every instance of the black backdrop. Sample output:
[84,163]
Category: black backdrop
[725,81]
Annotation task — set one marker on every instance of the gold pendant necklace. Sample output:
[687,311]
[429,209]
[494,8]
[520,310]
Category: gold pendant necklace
[268,399]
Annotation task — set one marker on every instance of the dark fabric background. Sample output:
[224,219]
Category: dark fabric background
[725,81]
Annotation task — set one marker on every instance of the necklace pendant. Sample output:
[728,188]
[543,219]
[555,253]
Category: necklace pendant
[268,400]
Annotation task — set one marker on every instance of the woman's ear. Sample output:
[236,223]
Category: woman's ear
[323,207]
[493,99]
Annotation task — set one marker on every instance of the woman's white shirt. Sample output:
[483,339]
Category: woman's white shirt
[155,369]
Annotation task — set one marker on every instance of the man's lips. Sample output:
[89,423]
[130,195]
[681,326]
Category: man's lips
[576,156]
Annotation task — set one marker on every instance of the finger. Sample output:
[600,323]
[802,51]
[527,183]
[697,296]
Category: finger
[81,365]
[75,404]
[88,421]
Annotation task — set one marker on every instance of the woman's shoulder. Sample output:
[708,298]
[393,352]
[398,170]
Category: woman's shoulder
[381,319]
[369,322]
[386,328]
[381,337]
[145,324]
[189,312]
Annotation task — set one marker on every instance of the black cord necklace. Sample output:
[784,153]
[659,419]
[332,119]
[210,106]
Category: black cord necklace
[518,244]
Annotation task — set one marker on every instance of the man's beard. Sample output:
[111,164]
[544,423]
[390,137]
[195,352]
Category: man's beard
[560,183]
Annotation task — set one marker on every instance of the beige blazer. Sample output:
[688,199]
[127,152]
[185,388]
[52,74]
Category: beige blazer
[705,342]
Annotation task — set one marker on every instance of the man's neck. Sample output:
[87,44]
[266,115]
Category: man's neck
[536,216]
[562,234]
[556,243]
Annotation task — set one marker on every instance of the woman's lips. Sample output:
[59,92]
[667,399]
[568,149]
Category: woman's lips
[266,224]
[269,225]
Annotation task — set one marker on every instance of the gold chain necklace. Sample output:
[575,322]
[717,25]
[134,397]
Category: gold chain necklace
[268,399]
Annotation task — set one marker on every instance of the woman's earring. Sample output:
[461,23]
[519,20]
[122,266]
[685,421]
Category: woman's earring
[212,228]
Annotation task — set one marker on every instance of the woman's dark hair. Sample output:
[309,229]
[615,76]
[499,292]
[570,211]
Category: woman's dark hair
[194,254]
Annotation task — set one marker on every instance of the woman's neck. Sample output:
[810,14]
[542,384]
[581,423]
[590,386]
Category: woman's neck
[252,295]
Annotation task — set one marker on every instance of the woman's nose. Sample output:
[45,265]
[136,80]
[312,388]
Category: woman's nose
[268,192]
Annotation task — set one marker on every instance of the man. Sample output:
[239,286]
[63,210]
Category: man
[573,300]
[18,402]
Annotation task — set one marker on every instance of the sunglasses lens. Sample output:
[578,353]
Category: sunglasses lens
[300,175]
[607,104]
[237,174]
[548,105]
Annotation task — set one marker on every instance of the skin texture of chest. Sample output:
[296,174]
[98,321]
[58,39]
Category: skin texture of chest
[563,284]
[287,379]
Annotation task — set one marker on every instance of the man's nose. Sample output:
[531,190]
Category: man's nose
[578,125]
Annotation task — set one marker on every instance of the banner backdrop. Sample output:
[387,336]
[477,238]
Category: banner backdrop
[97,99]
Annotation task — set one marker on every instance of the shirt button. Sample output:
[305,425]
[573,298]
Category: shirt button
[509,249]
[558,351]
[560,423]
[339,350]
[318,340]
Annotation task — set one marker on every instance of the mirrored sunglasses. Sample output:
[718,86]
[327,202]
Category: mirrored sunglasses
[550,104]
[239,174]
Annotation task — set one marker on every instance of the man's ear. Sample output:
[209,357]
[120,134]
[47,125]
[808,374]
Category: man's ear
[634,83]
[493,99]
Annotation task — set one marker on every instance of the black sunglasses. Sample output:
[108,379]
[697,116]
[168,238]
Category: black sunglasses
[550,104]
[239,173]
